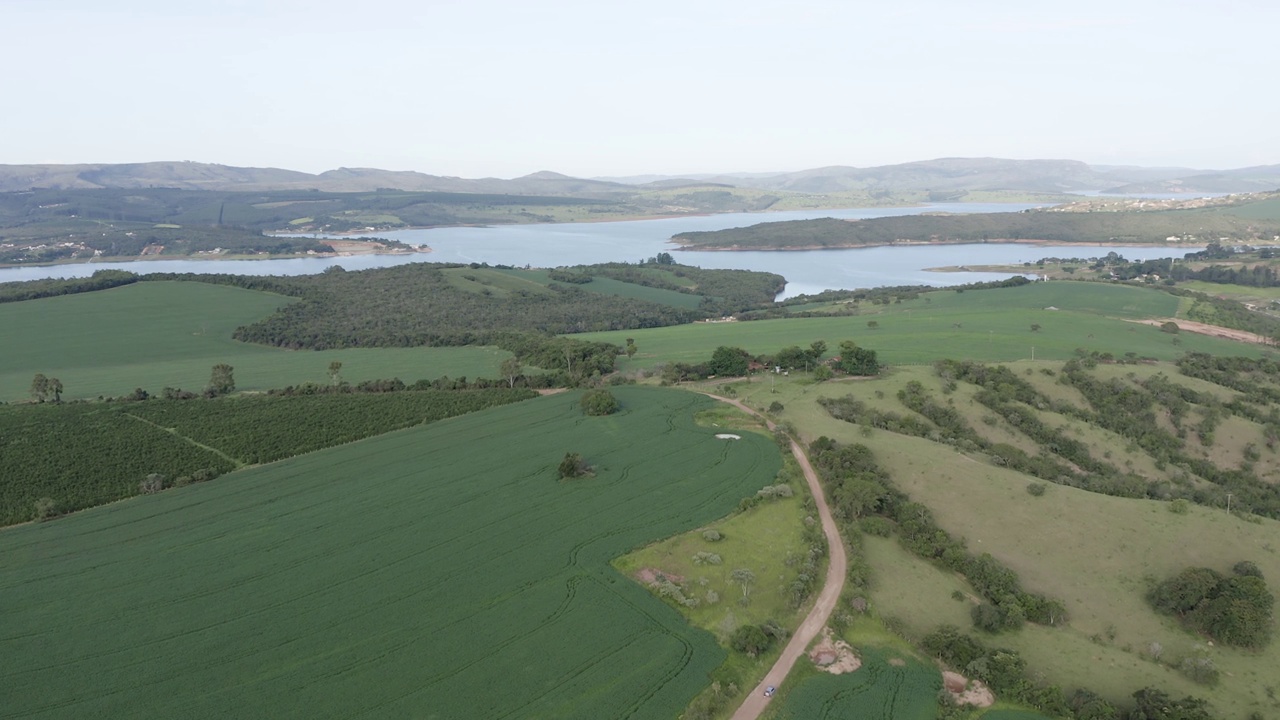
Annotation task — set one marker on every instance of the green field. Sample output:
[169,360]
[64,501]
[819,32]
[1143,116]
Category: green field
[157,334]
[435,572]
[876,690]
[987,325]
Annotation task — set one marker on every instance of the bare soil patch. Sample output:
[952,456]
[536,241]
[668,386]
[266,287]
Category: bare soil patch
[834,656]
[967,692]
[649,576]
[1210,330]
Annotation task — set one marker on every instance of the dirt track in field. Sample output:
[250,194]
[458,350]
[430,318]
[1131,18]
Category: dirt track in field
[837,567]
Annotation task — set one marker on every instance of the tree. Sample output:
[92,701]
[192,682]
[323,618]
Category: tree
[40,387]
[631,348]
[858,361]
[1170,327]
[817,349]
[822,372]
[1035,327]
[791,357]
[510,370]
[573,466]
[750,639]
[335,372]
[729,361]
[744,578]
[599,402]
[221,381]
[872,324]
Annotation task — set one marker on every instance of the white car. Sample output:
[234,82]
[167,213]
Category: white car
[769,691]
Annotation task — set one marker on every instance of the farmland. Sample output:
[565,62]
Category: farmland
[877,690]
[396,576]
[169,334]
[78,455]
[990,325]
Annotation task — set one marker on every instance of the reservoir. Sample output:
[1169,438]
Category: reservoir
[552,245]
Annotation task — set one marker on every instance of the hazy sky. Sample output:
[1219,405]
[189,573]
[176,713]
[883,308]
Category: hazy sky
[505,87]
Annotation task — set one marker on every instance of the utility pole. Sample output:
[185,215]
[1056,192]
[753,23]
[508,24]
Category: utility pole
[1033,352]
[1228,503]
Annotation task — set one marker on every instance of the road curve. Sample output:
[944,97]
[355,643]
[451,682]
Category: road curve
[837,567]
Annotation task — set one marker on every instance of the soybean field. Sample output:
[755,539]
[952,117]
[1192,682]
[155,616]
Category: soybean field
[879,689]
[440,571]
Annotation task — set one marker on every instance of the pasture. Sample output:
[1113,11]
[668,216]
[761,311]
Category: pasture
[987,325]
[437,572]
[169,334]
[1098,554]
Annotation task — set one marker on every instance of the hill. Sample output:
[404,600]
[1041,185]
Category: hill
[1231,219]
[1261,178]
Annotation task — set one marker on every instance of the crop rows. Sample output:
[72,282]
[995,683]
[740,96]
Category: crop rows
[877,690]
[441,571]
[82,455]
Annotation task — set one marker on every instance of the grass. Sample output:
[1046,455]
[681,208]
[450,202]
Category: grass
[1056,541]
[1096,553]
[989,325]
[159,334]
[404,575]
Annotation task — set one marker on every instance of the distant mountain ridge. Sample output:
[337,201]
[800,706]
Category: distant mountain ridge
[941,176]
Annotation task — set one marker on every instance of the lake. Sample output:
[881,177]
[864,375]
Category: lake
[551,245]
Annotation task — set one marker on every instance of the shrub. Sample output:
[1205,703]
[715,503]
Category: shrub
[1036,489]
[712,535]
[572,466]
[822,372]
[1170,327]
[45,509]
[599,402]
[151,484]
[876,525]
[775,407]
[1179,506]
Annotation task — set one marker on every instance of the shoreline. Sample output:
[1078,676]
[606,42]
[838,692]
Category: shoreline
[200,258]
[917,243]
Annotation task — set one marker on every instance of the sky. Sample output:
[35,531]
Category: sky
[502,88]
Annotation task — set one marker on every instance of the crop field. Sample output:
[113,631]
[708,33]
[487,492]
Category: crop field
[158,334]
[438,572]
[877,690]
[79,455]
[987,325]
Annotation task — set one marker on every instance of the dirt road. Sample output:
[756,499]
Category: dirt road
[837,567]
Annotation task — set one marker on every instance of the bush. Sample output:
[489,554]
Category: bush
[1170,327]
[151,484]
[1200,670]
[1179,506]
[599,402]
[876,525]
[46,508]
[775,407]
[1036,489]
[712,535]
[572,466]
[822,372]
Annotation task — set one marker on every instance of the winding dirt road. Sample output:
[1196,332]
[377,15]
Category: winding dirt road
[837,567]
